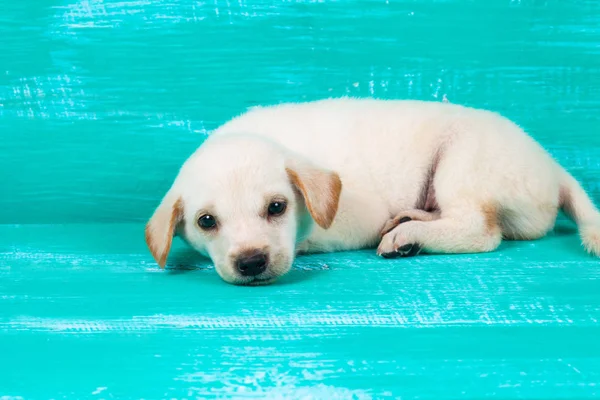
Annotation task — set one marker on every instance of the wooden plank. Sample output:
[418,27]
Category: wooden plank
[84,313]
[100,102]
[104,99]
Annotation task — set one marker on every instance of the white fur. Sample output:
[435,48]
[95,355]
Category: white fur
[492,181]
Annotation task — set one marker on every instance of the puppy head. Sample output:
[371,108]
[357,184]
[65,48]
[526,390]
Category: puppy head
[246,203]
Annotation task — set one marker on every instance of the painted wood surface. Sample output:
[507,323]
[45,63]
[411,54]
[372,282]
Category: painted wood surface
[84,313]
[100,102]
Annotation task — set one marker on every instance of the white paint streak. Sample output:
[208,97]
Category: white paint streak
[99,390]
[76,261]
[569,365]
[270,382]
[94,14]
[203,322]
[52,96]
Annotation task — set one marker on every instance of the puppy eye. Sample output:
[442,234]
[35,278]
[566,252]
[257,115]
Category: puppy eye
[276,208]
[207,222]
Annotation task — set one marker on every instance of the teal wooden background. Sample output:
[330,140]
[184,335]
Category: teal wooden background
[100,102]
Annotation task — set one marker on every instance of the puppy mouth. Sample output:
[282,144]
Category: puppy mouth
[260,281]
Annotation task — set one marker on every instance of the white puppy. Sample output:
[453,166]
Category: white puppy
[427,176]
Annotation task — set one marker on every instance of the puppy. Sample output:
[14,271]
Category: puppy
[344,174]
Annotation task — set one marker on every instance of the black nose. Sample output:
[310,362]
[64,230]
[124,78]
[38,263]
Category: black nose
[252,263]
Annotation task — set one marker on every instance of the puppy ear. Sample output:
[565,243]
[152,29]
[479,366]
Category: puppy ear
[320,188]
[161,227]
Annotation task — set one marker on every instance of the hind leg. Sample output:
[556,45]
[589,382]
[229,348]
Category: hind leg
[409,215]
[461,229]
[468,218]
[490,179]
[528,222]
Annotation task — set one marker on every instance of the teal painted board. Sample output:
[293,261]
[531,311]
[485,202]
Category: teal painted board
[100,101]
[85,314]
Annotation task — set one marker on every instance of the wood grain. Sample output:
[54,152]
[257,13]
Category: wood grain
[100,102]
[84,312]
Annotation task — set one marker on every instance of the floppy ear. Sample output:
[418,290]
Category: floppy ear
[161,227]
[320,188]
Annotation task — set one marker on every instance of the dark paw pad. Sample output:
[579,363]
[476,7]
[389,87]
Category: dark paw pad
[408,250]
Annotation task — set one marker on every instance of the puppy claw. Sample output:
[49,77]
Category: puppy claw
[408,250]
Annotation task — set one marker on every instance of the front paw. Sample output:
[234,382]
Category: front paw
[408,250]
[394,245]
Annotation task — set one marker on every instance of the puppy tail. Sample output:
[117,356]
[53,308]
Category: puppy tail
[575,202]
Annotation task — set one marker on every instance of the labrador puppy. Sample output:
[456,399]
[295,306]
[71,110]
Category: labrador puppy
[344,174]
